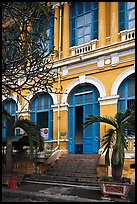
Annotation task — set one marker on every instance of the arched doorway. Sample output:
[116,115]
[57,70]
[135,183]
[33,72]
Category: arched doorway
[83,100]
[42,114]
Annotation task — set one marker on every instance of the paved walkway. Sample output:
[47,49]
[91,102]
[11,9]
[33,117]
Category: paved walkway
[37,192]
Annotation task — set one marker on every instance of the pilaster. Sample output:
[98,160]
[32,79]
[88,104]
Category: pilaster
[66,31]
[102,24]
[114,22]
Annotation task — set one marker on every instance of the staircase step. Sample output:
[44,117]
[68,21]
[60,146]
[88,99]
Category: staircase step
[74,168]
[72,174]
[72,179]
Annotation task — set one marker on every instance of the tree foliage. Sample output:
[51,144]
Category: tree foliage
[25,55]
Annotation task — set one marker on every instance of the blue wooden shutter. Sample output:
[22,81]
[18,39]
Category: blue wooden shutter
[95,20]
[51,44]
[122,16]
[87,132]
[71,129]
[33,117]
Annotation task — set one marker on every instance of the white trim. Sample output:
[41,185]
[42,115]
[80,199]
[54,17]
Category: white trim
[120,78]
[55,6]
[11,97]
[90,80]
[126,52]
[81,93]
[78,64]
[30,96]
[108,100]
[23,113]
[63,107]
[114,58]
[15,98]
[129,155]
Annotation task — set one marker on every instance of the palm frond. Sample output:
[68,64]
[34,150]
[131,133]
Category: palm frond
[107,159]
[104,119]
[108,139]
[33,133]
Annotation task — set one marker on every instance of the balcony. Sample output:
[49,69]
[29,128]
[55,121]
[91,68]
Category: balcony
[127,35]
[84,48]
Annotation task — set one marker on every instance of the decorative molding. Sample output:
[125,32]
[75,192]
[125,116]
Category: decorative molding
[100,63]
[63,107]
[108,100]
[64,71]
[23,113]
[82,79]
[74,62]
[120,78]
[55,6]
[30,96]
[90,80]
[129,155]
[114,59]
[107,61]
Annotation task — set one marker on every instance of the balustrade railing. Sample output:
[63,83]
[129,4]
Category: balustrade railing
[84,48]
[127,35]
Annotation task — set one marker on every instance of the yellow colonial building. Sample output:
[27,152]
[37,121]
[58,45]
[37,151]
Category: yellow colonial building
[96,75]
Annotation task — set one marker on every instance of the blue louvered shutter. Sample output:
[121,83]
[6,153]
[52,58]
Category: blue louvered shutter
[51,44]
[95,13]
[122,16]
[71,129]
[50,124]
[87,132]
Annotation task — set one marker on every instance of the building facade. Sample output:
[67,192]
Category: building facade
[96,75]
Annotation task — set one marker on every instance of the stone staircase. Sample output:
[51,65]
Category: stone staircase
[74,169]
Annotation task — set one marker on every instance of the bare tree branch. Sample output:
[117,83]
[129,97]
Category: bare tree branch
[26,64]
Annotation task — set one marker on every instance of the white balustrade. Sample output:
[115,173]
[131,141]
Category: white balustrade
[84,48]
[127,35]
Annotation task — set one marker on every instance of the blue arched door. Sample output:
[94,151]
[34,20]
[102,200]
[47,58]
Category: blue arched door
[42,113]
[83,100]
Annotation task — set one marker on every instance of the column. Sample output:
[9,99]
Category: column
[66,30]
[56,28]
[113,22]
[102,24]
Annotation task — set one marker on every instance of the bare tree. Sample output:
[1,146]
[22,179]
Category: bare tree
[25,55]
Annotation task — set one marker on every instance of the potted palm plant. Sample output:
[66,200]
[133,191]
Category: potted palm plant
[36,143]
[115,140]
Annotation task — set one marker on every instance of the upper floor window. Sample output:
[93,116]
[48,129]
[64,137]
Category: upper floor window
[83,22]
[44,38]
[126,15]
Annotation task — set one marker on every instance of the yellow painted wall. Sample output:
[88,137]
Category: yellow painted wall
[106,76]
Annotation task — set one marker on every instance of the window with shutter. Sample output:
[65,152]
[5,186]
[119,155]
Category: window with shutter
[83,22]
[126,15]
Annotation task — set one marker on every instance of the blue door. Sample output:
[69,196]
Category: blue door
[83,100]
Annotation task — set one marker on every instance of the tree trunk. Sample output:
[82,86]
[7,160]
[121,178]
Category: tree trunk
[117,168]
[9,159]
[117,171]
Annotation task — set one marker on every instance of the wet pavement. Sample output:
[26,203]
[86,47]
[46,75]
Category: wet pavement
[37,192]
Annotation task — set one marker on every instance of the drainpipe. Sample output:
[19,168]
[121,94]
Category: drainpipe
[59,69]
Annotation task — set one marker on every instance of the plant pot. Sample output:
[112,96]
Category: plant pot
[115,188]
[16,176]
